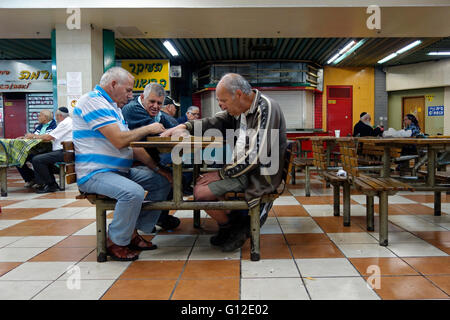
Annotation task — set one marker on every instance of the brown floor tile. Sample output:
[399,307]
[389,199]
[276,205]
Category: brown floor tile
[393,209]
[153,270]
[211,289]
[207,269]
[79,203]
[63,254]
[15,231]
[60,195]
[427,198]
[290,211]
[78,242]
[64,227]
[321,200]
[306,238]
[442,282]
[415,208]
[268,249]
[442,236]
[430,265]
[336,224]
[388,266]
[408,287]
[140,290]
[8,266]
[269,240]
[22,213]
[311,251]
[91,257]
[4,203]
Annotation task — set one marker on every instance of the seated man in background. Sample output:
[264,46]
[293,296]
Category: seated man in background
[46,125]
[104,158]
[43,164]
[363,128]
[170,108]
[192,113]
[261,132]
[145,110]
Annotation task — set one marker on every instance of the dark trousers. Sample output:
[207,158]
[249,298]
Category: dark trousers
[25,171]
[43,165]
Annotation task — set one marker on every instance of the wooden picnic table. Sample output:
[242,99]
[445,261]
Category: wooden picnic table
[432,145]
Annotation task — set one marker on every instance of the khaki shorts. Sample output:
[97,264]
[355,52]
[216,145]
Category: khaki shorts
[220,187]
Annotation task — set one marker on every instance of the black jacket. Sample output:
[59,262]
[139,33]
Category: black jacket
[363,130]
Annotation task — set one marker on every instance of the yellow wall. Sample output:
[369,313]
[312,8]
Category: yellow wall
[363,82]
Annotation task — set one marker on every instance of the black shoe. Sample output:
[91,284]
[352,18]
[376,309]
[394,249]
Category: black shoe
[47,188]
[238,236]
[169,222]
[222,236]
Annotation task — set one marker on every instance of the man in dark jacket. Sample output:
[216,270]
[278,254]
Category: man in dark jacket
[363,128]
[144,110]
[46,125]
[259,125]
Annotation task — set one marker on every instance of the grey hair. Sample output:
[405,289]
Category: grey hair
[155,88]
[234,81]
[115,73]
[63,114]
[192,108]
[48,114]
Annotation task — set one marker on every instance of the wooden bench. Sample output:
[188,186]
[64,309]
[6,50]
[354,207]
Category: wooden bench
[331,177]
[371,187]
[103,203]
[306,164]
[371,155]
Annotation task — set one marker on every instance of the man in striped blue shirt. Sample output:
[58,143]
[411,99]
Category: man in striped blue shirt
[104,158]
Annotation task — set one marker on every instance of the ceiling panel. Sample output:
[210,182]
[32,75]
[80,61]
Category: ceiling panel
[198,51]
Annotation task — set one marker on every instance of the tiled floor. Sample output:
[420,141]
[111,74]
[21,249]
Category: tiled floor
[47,251]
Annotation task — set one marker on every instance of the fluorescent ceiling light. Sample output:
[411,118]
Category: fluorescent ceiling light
[410,46]
[442,53]
[347,47]
[171,48]
[349,51]
[389,57]
[333,58]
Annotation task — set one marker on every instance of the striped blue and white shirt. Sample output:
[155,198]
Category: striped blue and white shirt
[94,153]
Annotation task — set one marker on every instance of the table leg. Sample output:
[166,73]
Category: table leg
[346,193]
[369,213]
[431,179]
[383,218]
[177,184]
[336,199]
[255,230]
[386,171]
[101,232]
[196,173]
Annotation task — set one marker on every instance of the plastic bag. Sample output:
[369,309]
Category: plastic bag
[397,133]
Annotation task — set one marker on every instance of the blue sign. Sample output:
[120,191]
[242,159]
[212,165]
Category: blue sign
[436,111]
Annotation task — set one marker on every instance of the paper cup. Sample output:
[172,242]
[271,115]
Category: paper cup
[337,133]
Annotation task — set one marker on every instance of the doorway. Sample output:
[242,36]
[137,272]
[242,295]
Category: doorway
[339,109]
[415,106]
[15,111]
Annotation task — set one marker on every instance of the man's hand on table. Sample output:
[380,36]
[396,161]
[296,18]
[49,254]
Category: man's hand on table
[178,131]
[156,128]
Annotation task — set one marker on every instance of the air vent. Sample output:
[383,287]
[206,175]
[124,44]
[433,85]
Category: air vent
[339,93]
[129,32]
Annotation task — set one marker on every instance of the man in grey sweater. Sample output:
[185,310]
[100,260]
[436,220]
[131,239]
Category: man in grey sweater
[258,153]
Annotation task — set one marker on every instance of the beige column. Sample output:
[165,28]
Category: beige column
[78,50]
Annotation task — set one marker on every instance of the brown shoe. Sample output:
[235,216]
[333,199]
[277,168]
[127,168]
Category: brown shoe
[120,253]
[139,243]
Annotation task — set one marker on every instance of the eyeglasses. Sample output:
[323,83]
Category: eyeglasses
[195,114]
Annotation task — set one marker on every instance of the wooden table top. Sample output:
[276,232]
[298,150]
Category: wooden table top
[170,142]
[416,141]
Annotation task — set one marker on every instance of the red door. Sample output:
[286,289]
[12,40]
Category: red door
[15,120]
[339,109]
